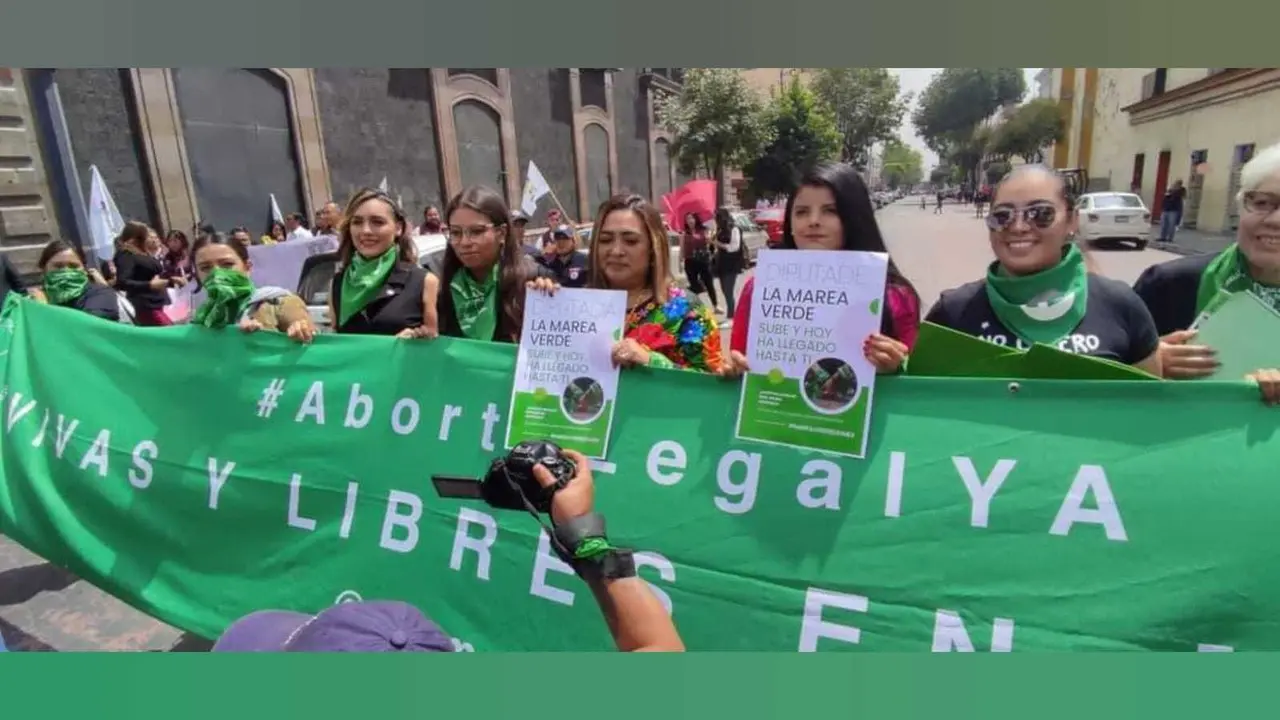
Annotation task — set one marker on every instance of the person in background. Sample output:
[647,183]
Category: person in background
[431,222]
[176,258]
[295,224]
[328,220]
[633,614]
[276,234]
[379,288]
[1177,292]
[666,326]
[485,271]
[554,220]
[695,253]
[520,224]
[141,276]
[241,235]
[937,209]
[567,265]
[222,270]
[66,282]
[1171,211]
[832,210]
[10,280]
[1040,290]
[730,257]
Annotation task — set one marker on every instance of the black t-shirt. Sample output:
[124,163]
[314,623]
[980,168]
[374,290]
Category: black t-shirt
[1173,200]
[1116,324]
[1170,290]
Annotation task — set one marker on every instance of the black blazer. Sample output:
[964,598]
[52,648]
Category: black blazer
[397,307]
[134,272]
[1170,289]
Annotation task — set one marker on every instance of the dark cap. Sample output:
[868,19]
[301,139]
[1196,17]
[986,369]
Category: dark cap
[563,231]
[347,627]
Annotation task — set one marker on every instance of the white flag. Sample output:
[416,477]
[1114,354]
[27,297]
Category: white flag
[383,185]
[535,186]
[105,222]
[276,215]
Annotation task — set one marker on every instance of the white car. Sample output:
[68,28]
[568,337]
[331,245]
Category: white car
[1114,216]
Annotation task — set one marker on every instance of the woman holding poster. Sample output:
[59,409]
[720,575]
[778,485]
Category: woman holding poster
[485,270]
[832,210]
[666,327]
[380,289]
[1177,292]
[1040,290]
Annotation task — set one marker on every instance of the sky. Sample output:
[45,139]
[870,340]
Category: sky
[914,80]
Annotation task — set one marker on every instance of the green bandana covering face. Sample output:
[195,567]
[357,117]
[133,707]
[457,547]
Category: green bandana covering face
[363,279]
[1044,307]
[1227,274]
[476,304]
[65,285]
[228,294]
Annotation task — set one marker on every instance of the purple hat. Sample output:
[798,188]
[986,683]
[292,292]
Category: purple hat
[346,627]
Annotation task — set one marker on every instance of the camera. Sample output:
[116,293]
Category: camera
[509,483]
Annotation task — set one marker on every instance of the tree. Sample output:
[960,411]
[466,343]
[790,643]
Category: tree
[957,100]
[903,166]
[867,106]
[996,171]
[718,122]
[1030,129]
[966,154]
[804,135]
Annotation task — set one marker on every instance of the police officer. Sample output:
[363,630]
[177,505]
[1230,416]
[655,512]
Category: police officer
[565,260]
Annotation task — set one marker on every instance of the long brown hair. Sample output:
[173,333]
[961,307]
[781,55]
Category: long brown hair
[408,251]
[133,237]
[659,277]
[512,274]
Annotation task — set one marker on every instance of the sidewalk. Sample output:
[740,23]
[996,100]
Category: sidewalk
[1194,242]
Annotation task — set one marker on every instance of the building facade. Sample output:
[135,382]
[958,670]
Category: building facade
[178,146]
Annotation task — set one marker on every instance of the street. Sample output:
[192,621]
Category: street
[45,608]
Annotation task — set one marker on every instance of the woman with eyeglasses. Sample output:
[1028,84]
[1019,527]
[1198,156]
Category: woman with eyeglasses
[1177,292]
[666,326]
[380,289]
[66,282]
[1040,289]
[485,270]
[222,269]
[832,210]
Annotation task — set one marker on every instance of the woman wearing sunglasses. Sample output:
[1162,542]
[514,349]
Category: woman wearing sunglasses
[1178,291]
[1040,290]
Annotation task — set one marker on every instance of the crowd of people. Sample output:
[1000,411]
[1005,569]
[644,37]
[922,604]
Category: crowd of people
[478,291]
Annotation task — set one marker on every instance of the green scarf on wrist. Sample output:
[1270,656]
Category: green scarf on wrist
[475,304]
[1228,273]
[363,279]
[1043,307]
[65,285]
[228,292]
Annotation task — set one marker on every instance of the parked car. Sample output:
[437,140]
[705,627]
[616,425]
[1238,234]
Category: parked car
[316,277]
[754,237]
[1114,216]
[771,220]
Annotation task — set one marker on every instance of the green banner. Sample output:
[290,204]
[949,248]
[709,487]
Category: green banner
[200,475]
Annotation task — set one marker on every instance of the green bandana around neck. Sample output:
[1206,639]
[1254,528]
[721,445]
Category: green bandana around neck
[476,303]
[363,279]
[1046,306]
[1226,274]
[65,285]
[228,293]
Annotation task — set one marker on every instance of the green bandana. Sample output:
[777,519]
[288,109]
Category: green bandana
[1044,307]
[65,285]
[228,293]
[1228,273]
[476,304]
[363,279]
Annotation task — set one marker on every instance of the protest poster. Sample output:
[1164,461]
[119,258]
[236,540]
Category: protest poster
[810,386]
[1244,332]
[566,384]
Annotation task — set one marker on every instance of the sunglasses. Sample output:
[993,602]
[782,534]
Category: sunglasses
[1040,215]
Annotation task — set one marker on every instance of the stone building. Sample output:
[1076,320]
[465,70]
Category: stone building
[177,146]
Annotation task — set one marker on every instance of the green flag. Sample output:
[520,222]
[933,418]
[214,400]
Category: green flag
[1066,516]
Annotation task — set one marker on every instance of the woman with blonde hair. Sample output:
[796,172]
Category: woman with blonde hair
[379,288]
[666,326]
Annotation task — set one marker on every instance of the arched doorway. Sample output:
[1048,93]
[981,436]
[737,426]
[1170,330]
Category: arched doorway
[238,132]
[596,140]
[478,130]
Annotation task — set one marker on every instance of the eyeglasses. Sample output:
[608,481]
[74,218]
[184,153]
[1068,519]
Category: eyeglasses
[1262,203]
[475,232]
[1039,214]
